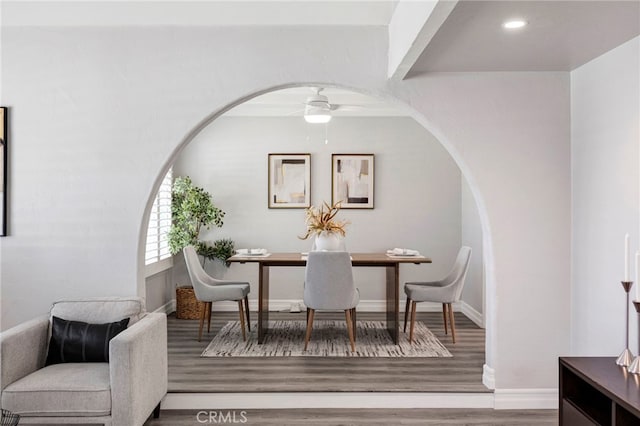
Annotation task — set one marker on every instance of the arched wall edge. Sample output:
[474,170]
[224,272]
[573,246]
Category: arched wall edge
[487,246]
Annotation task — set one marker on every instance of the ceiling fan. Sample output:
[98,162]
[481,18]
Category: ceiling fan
[317,109]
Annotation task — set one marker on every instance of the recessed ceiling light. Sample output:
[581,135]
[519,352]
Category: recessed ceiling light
[514,24]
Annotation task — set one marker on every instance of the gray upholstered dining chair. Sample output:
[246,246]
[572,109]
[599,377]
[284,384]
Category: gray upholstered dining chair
[328,285]
[209,290]
[445,291]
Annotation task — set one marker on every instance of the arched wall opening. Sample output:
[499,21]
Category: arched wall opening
[489,281]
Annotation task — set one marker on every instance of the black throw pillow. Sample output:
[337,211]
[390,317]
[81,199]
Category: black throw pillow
[76,341]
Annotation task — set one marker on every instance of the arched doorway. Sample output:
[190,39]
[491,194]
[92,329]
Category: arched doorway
[424,122]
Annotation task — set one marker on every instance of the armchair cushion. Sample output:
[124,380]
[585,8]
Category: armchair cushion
[77,341]
[70,389]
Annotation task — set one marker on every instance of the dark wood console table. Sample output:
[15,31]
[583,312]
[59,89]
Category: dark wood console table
[596,391]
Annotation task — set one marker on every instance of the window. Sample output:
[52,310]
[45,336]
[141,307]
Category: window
[157,247]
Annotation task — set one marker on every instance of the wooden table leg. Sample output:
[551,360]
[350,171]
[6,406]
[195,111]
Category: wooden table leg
[263,302]
[393,302]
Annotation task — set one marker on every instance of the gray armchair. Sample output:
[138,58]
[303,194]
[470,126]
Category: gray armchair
[123,391]
[209,290]
[445,291]
[328,285]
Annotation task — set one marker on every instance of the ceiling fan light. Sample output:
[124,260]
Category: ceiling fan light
[514,24]
[317,115]
[317,118]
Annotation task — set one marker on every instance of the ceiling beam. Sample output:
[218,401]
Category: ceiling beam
[412,26]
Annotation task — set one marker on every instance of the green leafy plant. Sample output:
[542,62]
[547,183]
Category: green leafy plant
[192,209]
[221,249]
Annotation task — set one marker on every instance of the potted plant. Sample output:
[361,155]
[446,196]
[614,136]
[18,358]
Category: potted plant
[192,209]
[322,224]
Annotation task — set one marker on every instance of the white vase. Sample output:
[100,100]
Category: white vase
[327,241]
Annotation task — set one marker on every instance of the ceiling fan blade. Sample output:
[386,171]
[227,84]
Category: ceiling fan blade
[296,112]
[346,107]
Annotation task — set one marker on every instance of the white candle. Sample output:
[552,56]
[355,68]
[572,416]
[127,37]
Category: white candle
[626,257]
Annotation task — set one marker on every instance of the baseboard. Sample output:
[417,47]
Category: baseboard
[286,400]
[284,305]
[363,305]
[505,399]
[470,312]
[526,399]
[168,307]
[488,377]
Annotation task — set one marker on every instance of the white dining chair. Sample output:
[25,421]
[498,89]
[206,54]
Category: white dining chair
[445,291]
[329,285]
[209,290]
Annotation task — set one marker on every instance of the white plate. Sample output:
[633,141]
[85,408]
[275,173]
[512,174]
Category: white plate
[405,256]
[390,253]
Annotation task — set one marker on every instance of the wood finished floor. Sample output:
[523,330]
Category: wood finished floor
[188,372]
[387,417]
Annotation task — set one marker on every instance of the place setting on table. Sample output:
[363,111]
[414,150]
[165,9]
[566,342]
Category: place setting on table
[251,252]
[404,253]
[395,253]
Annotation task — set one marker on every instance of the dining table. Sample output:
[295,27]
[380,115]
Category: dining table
[390,262]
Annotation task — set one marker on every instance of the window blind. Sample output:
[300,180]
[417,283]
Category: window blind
[157,246]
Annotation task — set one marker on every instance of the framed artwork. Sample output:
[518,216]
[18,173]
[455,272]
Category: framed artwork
[352,180]
[3,171]
[289,181]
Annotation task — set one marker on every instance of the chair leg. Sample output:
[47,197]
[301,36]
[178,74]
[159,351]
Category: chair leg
[347,314]
[444,317]
[241,312]
[156,411]
[406,313]
[413,320]
[310,313]
[209,308]
[452,321]
[353,321]
[202,315]
[246,311]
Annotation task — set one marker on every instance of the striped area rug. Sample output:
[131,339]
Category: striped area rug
[328,339]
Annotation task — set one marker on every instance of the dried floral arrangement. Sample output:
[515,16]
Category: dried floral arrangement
[320,220]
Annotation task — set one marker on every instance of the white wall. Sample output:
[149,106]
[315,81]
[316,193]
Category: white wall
[605,137]
[511,132]
[417,194]
[471,236]
[98,114]
[159,290]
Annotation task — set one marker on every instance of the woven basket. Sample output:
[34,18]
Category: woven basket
[187,306]
[7,418]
